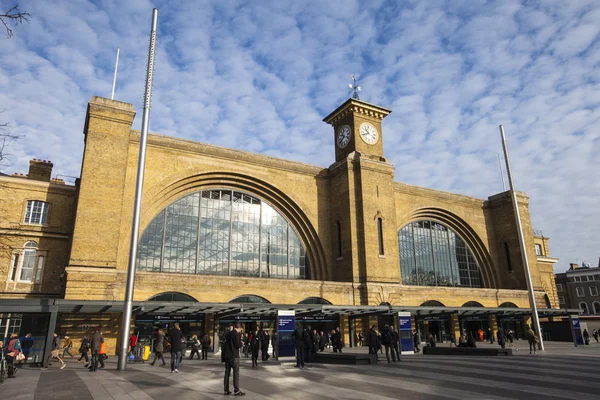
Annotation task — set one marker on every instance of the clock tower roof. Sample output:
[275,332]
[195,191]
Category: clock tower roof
[359,107]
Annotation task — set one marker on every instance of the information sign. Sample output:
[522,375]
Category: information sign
[286,323]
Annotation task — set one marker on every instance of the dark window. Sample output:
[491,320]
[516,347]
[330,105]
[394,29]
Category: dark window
[339,238]
[507,252]
[250,298]
[380,234]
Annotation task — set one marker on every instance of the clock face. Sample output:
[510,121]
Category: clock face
[369,133]
[343,136]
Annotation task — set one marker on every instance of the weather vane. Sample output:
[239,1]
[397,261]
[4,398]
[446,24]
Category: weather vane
[355,88]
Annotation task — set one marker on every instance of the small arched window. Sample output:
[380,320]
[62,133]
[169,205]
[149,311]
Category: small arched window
[315,300]
[169,297]
[596,307]
[473,304]
[508,304]
[250,298]
[584,307]
[27,264]
[432,303]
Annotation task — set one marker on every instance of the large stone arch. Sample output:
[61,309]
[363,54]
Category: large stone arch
[180,187]
[462,228]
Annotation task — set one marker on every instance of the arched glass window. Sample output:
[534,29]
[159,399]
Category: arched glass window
[250,298]
[432,303]
[222,232]
[584,307]
[508,304]
[314,300]
[472,304]
[596,307]
[172,296]
[27,264]
[431,254]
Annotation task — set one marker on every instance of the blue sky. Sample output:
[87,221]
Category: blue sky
[260,76]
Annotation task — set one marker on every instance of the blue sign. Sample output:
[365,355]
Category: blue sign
[405,331]
[286,323]
[577,329]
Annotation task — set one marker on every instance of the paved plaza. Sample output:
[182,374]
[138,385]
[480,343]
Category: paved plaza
[562,372]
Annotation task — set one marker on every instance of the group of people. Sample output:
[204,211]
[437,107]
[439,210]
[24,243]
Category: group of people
[586,336]
[388,338]
[92,349]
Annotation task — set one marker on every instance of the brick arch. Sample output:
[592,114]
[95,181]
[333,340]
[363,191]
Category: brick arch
[181,187]
[462,228]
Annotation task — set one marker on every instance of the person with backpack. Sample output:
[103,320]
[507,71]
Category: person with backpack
[67,347]
[83,350]
[205,342]
[159,347]
[386,340]
[13,352]
[298,335]
[95,344]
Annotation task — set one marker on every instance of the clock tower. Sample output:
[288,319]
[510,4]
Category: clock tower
[357,128]
[364,240]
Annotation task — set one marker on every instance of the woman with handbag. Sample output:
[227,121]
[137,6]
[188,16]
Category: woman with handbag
[13,353]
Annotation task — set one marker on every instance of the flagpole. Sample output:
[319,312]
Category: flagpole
[112,96]
[135,227]
[501,174]
[513,195]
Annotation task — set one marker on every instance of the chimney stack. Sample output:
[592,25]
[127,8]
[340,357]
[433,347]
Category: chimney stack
[573,266]
[40,170]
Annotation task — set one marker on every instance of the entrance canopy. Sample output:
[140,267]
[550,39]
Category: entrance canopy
[221,310]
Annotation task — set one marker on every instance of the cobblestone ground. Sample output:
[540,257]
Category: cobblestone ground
[561,372]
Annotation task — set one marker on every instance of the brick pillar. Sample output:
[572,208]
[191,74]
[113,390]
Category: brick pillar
[455,326]
[493,324]
[344,324]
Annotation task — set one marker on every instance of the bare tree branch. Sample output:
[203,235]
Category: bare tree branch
[6,137]
[16,17]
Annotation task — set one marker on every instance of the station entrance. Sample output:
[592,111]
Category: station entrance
[146,326]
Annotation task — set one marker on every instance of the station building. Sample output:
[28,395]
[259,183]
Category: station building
[231,235]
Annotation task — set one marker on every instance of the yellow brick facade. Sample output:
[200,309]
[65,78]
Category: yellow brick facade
[355,192]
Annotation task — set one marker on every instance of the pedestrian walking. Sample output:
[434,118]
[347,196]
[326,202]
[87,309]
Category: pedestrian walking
[231,358]
[102,355]
[254,346]
[274,345]
[67,347]
[95,343]
[55,352]
[416,341]
[205,342]
[500,338]
[395,342]
[13,354]
[595,335]
[315,343]
[308,343]
[532,339]
[84,348]
[323,340]
[265,339]
[372,341]
[195,347]
[586,337]
[159,347]
[361,339]
[176,347]
[298,335]
[386,340]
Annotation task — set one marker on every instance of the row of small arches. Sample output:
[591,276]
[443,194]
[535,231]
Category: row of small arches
[246,298]
[251,298]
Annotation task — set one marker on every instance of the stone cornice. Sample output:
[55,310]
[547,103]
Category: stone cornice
[438,194]
[38,234]
[25,183]
[190,146]
[357,107]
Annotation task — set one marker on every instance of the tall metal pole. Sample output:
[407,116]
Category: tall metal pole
[513,194]
[135,227]
[112,96]
[501,174]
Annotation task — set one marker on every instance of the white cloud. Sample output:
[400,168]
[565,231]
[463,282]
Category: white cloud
[260,76]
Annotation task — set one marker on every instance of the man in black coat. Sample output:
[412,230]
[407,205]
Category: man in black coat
[265,338]
[231,358]
[298,335]
[386,340]
[308,343]
[372,340]
[322,341]
[395,342]
[95,342]
[176,346]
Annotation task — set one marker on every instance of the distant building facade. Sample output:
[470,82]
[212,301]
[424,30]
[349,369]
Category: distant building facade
[221,225]
[578,288]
